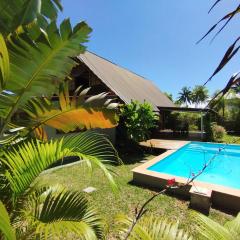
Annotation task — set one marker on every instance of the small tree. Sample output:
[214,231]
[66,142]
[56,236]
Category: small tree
[138,119]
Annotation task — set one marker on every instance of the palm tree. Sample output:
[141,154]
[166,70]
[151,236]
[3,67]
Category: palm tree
[199,94]
[36,59]
[185,96]
[41,212]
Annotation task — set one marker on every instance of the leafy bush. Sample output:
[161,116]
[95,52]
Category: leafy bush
[218,132]
[183,121]
[137,120]
[193,127]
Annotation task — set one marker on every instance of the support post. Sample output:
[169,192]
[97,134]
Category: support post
[202,128]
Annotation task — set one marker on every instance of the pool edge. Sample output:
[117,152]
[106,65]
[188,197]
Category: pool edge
[222,197]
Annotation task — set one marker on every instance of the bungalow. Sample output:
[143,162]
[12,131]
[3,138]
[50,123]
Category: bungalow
[121,84]
[105,76]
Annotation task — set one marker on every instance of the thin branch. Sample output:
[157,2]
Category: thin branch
[143,210]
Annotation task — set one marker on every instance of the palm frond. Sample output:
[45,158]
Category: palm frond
[59,212]
[95,150]
[37,66]
[4,63]
[71,113]
[227,18]
[6,229]
[234,226]
[211,230]
[151,228]
[23,12]
[229,54]
[26,161]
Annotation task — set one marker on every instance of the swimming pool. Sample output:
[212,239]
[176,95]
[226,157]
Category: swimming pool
[223,168]
[222,175]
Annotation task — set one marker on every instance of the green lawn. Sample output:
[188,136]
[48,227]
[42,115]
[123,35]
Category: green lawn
[78,177]
[231,139]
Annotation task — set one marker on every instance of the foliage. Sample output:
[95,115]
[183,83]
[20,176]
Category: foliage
[229,53]
[25,12]
[199,94]
[6,230]
[211,230]
[84,114]
[183,121]
[218,132]
[185,96]
[36,57]
[207,127]
[138,119]
[231,139]
[151,228]
[50,210]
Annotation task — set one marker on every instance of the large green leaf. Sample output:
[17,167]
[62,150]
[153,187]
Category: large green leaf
[71,113]
[151,228]
[38,66]
[22,12]
[60,213]
[27,161]
[6,229]
[4,63]
[211,230]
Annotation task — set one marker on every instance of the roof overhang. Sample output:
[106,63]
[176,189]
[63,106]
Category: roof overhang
[185,109]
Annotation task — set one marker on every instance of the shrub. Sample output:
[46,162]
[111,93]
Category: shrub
[218,132]
[193,127]
[137,120]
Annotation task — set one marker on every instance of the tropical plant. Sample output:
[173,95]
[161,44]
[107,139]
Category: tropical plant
[36,58]
[45,211]
[218,132]
[185,96]
[68,114]
[138,119]
[230,52]
[199,94]
[151,228]
[211,230]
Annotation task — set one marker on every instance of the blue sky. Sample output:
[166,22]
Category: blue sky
[156,38]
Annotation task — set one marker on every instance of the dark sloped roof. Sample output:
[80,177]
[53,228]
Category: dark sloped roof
[124,83]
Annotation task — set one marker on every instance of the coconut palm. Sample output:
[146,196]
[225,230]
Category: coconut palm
[185,96]
[199,94]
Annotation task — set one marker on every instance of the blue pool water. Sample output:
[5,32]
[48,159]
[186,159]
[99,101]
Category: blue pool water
[224,169]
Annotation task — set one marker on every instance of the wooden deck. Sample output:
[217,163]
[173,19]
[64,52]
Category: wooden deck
[164,144]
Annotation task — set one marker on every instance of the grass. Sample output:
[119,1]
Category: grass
[231,139]
[77,177]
